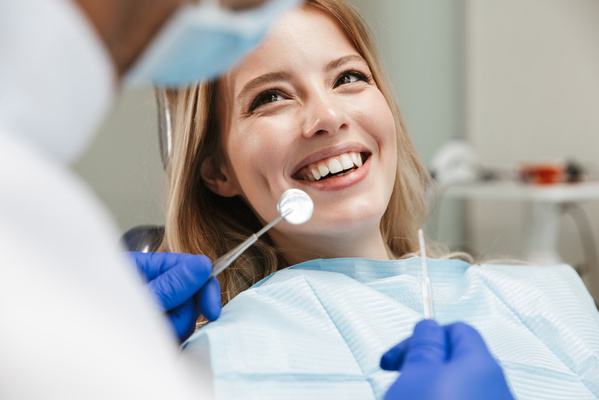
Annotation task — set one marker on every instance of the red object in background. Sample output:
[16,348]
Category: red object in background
[543,174]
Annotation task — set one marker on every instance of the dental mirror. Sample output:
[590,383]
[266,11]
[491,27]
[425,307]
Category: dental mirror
[294,205]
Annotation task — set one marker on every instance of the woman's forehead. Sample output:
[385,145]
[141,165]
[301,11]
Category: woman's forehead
[304,39]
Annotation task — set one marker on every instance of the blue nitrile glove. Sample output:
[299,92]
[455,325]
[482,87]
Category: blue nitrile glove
[444,362]
[182,286]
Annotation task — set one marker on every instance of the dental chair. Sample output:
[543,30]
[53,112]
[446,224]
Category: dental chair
[143,238]
[147,238]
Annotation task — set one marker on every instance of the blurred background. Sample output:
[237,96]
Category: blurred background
[517,81]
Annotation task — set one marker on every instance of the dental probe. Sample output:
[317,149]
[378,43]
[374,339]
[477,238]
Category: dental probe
[294,205]
[427,292]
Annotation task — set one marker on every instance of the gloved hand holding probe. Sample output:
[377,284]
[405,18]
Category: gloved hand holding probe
[448,362]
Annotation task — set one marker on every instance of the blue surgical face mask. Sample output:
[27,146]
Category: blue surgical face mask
[203,41]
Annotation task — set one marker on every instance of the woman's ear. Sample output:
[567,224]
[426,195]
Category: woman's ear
[218,178]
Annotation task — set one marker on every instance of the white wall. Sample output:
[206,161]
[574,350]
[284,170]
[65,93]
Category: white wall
[421,44]
[123,164]
[533,95]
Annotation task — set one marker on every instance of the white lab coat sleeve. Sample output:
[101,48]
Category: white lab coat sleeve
[76,322]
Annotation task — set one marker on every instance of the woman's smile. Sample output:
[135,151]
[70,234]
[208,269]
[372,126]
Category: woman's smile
[306,112]
[340,181]
[334,168]
[309,108]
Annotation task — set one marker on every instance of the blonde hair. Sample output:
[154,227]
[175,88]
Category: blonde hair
[201,222]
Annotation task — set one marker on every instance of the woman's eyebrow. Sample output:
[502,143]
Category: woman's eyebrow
[343,60]
[261,80]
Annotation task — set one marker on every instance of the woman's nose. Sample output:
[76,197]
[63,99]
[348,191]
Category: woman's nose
[323,116]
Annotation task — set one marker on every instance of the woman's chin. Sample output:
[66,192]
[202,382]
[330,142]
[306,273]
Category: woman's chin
[344,223]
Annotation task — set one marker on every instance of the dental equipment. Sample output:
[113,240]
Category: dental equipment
[294,205]
[427,292]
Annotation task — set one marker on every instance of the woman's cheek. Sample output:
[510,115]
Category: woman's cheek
[257,153]
[376,116]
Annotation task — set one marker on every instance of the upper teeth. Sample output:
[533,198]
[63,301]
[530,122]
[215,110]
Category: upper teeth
[333,165]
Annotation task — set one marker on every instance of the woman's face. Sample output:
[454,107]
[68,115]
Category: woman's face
[303,111]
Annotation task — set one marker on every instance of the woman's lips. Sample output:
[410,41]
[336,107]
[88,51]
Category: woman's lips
[332,151]
[340,182]
[331,166]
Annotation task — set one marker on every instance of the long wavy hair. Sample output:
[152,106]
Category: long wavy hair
[200,222]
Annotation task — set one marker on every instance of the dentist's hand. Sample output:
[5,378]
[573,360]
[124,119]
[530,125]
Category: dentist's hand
[181,284]
[444,362]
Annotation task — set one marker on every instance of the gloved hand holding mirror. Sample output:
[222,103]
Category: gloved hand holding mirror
[185,285]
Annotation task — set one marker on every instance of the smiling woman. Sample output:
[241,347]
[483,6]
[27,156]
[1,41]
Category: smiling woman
[310,109]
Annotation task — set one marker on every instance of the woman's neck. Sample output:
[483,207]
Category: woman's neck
[363,245]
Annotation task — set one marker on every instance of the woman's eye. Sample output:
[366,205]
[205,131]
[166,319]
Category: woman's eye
[265,98]
[350,77]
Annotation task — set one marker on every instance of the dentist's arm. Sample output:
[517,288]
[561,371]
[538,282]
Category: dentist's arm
[182,287]
[445,362]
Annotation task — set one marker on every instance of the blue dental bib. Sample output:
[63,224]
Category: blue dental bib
[317,330]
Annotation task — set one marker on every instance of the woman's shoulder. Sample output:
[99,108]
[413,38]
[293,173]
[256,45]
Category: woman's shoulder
[549,277]
[556,287]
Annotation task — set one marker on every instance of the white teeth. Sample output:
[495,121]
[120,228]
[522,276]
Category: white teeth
[346,161]
[334,165]
[323,170]
[315,173]
[357,158]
